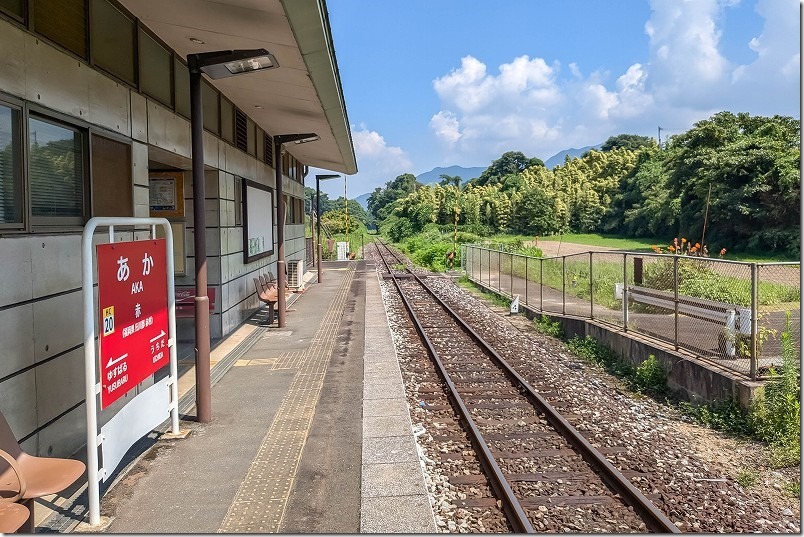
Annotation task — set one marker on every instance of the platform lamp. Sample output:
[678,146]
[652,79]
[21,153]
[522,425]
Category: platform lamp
[281,277]
[318,179]
[218,64]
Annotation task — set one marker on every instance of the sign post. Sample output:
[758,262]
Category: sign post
[136,318]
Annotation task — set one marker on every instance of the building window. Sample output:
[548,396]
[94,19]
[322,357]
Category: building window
[227,120]
[63,22]
[212,109]
[251,137]
[241,130]
[269,150]
[113,40]
[156,64]
[111,178]
[13,8]
[260,145]
[10,166]
[181,81]
[56,172]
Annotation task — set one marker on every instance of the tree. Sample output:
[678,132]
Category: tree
[379,202]
[512,162]
[643,206]
[534,212]
[309,200]
[627,141]
[454,180]
[752,165]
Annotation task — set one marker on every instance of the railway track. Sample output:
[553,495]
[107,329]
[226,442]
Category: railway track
[529,457]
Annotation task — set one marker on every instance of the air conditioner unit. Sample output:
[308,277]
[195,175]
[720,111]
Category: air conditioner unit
[296,274]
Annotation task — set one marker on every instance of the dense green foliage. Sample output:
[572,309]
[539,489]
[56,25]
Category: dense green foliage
[627,141]
[379,202]
[732,180]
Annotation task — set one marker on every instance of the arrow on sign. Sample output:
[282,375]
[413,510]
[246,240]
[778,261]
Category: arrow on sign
[160,336]
[112,361]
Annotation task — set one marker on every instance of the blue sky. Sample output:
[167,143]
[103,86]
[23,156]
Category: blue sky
[441,82]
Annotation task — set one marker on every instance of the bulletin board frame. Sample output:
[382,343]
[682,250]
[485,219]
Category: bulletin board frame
[166,194]
[258,221]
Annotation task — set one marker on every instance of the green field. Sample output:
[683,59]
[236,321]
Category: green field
[611,241]
[626,243]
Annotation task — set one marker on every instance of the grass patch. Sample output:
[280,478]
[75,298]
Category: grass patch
[607,241]
[491,296]
[747,478]
[547,327]
[725,415]
[775,413]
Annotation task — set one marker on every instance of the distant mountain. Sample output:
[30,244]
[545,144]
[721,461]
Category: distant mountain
[434,175]
[558,158]
[362,199]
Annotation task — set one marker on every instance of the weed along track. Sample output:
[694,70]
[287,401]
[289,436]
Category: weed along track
[520,437]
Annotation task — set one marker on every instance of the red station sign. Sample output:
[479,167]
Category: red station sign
[133,306]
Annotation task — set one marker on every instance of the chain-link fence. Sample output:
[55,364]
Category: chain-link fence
[743,316]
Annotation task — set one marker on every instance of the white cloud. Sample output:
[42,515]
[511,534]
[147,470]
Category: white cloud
[377,161]
[530,105]
[778,59]
[446,126]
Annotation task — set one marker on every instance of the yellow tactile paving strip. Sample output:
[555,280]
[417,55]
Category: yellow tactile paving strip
[260,502]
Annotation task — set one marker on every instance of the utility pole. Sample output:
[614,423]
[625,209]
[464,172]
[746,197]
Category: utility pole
[706,216]
[660,137]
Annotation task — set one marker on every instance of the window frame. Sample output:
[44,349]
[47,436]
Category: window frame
[14,17]
[49,222]
[22,134]
[135,44]
[30,24]
[171,76]
[90,179]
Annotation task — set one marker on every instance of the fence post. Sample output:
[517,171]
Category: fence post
[512,275]
[754,320]
[527,277]
[499,270]
[480,265]
[675,299]
[591,290]
[488,268]
[564,285]
[625,292]
[541,284]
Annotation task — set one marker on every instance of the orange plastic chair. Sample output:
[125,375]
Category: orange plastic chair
[34,476]
[12,515]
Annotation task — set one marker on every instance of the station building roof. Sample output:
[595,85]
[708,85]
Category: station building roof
[303,95]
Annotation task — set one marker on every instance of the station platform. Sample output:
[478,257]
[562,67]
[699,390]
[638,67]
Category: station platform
[310,432]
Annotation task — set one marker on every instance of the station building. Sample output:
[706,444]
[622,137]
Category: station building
[95,121]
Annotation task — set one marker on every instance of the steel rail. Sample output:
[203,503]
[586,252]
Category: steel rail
[513,509]
[650,514]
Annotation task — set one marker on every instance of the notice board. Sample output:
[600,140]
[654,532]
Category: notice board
[258,221]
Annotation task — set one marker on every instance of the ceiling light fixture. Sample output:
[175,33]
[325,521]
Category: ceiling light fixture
[226,63]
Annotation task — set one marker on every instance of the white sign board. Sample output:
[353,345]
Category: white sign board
[515,305]
[258,221]
[342,251]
